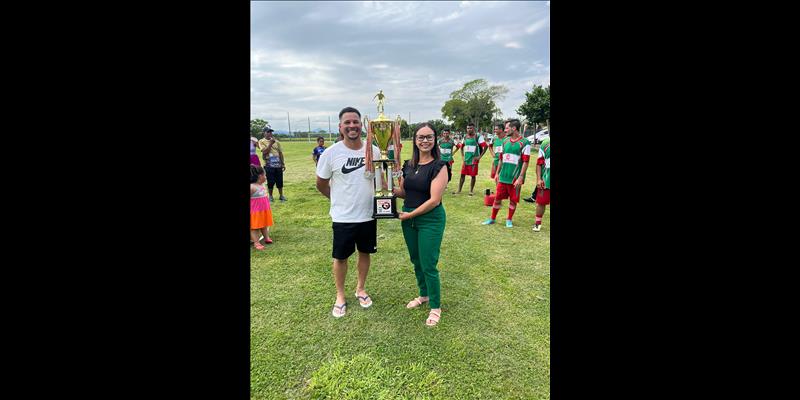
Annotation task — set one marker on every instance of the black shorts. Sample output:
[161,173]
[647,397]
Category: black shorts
[274,177]
[348,236]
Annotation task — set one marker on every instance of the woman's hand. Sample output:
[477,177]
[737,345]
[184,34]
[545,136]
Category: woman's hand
[404,216]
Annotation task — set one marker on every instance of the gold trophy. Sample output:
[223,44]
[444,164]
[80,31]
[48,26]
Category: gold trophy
[383,130]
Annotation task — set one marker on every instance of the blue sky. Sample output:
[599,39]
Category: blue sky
[311,59]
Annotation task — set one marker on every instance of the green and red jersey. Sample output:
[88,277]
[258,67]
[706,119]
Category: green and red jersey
[544,161]
[497,147]
[513,153]
[472,147]
[446,149]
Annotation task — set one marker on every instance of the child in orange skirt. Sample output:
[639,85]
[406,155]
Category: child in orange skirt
[260,211]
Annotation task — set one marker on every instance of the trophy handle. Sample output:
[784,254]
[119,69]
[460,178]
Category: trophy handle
[398,146]
[369,167]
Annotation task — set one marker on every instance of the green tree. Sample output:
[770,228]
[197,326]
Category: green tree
[405,132]
[256,126]
[439,125]
[475,103]
[455,111]
[536,107]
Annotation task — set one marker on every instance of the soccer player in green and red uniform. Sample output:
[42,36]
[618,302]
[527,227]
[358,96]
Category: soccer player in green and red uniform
[497,146]
[542,182]
[446,146]
[514,156]
[472,149]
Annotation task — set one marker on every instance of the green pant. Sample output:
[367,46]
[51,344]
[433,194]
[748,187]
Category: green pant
[423,236]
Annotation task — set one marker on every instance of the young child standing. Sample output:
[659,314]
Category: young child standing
[260,211]
[317,152]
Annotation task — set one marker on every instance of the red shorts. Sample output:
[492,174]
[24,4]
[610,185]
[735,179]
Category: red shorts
[471,170]
[507,191]
[543,196]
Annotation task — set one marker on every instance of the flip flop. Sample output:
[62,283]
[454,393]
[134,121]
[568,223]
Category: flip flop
[362,300]
[342,310]
[268,241]
[259,246]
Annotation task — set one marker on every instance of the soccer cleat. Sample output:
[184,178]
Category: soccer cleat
[529,199]
[488,222]
[537,228]
[271,199]
[282,198]
[509,224]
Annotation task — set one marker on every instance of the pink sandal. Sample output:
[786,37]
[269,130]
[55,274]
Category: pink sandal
[268,241]
[415,303]
[433,318]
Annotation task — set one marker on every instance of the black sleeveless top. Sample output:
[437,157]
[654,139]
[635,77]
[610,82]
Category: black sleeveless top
[417,182]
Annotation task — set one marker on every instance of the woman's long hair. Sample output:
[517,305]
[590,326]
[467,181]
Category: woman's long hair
[434,150]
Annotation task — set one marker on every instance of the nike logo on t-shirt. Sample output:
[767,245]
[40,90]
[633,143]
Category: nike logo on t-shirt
[353,162]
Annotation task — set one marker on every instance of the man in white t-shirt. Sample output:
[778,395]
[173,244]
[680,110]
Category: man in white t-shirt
[340,177]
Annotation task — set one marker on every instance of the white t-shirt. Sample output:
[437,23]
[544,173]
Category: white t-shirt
[351,193]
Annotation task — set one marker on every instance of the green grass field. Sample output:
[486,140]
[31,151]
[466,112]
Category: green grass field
[493,340]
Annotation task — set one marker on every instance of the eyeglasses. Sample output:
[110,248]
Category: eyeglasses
[428,138]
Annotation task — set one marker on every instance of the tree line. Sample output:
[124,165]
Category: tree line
[474,103]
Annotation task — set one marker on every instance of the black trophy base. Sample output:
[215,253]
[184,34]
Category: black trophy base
[384,207]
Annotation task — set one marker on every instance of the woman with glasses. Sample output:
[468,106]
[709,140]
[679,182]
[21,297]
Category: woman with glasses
[423,218]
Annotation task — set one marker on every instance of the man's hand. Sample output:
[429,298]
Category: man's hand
[517,183]
[283,167]
[540,184]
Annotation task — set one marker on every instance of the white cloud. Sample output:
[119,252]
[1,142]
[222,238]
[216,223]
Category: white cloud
[305,65]
[494,35]
[450,17]
[313,68]
[382,13]
[538,25]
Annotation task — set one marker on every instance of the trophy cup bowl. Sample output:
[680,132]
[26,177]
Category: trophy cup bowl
[382,129]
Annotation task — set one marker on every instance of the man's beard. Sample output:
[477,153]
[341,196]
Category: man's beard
[347,134]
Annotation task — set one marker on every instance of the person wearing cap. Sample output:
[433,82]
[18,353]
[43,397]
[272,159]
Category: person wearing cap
[273,162]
